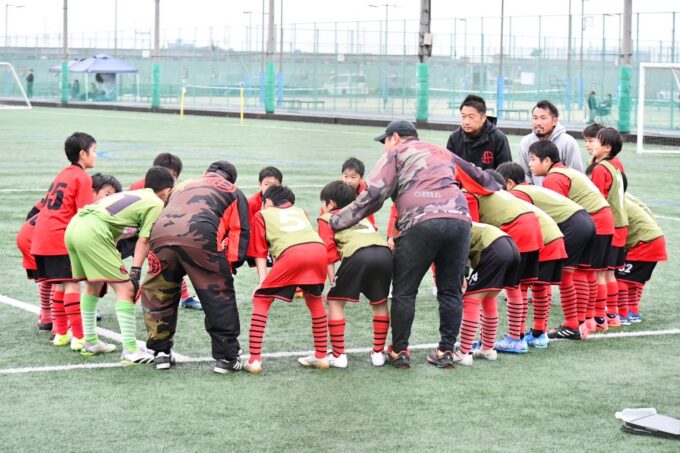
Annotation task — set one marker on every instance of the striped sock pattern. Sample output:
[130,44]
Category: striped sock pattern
[515,311]
[524,287]
[623,299]
[489,322]
[601,301]
[59,319]
[45,316]
[258,322]
[381,324]
[88,311]
[319,324]
[582,288]
[612,297]
[125,312]
[469,323]
[336,330]
[72,309]
[541,297]
[592,298]
[185,289]
[569,301]
[634,296]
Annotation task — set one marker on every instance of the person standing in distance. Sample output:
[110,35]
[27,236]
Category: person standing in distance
[478,140]
[546,126]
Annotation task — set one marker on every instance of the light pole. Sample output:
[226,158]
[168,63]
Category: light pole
[7,7]
[387,16]
[384,87]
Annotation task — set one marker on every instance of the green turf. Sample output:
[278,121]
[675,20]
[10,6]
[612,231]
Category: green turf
[561,398]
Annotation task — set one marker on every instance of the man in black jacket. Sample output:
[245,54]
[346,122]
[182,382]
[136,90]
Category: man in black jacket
[477,140]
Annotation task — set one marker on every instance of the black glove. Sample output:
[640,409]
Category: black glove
[135,276]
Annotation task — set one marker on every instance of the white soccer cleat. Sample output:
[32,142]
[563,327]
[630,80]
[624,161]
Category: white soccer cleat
[311,361]
[487,354]
[377,358]
[460,359]
[136,358]
[337,362]
[99,347]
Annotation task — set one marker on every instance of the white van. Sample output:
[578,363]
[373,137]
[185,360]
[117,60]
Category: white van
[346,84]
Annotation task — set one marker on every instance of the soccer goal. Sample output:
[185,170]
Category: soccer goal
[12,94]
[658,118]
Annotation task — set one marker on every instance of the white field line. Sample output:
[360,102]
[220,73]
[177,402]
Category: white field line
[666,217]
[26,370]
[249,187]
[106,333]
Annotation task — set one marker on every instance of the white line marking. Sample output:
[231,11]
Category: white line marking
[61,368]
[297,186]
[667,217]
[106,333]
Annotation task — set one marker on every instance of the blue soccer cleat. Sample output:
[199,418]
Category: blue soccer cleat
[633,318]
[540,342]
[510,345]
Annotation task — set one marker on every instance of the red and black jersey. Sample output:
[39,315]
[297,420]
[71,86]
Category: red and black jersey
[141,184]
[254,205]
[370,218]
[208,212]
[70,191]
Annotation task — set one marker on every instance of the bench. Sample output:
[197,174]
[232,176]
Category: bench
[521,114]
[297,104]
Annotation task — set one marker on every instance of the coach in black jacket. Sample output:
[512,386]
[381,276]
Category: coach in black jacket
[478,140]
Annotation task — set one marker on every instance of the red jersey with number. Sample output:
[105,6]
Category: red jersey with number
[70,191]
[138,184]
[254,205]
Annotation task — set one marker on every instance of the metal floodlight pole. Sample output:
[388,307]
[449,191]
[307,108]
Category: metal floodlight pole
[115,27]
[580,74]
[262,42]
[567,88]
[281,38]
[7,7]
[500,81]
[156,87]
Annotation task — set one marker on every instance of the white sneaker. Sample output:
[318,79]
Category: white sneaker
[337,362]
[136,358]
[99,347]
[460,359]
[488,354]
[312,362]
[253,368]
[377,358]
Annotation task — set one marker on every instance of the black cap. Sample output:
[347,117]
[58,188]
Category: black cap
[225,169]
[402,127]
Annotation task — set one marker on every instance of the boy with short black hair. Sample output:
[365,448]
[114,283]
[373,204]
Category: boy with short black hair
[609,177]
[283,230]
[70,191]
[366,268]
[269,176]
[91,240]
[353,175]
[545,161]
[167,160]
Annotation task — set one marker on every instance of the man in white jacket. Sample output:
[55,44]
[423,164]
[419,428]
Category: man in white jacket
[546,126]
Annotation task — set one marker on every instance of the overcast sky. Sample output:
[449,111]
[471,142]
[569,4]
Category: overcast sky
[45,16]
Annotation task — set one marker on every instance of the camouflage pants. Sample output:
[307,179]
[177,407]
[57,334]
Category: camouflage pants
[210,274]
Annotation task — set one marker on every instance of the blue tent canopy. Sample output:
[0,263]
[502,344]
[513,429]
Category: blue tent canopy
[102,64]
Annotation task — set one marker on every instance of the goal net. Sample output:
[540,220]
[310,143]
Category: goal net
[12,93]
[658,113]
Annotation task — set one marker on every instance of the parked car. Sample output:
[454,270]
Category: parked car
[346,84]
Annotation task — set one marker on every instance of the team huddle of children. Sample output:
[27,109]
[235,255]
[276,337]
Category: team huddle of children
[583,233]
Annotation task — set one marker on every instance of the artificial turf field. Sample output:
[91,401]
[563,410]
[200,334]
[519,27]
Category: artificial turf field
[562,398]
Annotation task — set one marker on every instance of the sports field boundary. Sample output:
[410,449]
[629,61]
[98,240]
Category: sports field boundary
[273,355]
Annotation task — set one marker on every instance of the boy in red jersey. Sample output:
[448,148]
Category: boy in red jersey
[645,246]
[300,261]
[167,160]
[578,229]
[366,268]
[70,191]
[521,223]
[353,175]
[608,176]
[576,186]
[269,176]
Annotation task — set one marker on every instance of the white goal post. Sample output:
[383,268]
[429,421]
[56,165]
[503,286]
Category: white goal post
[14,101]
[672,96]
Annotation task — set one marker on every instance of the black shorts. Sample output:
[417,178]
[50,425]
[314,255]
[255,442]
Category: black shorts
[528,267]
[54,268]
[550,272]
[615,258]
[287,293]
[498,268]
[32,274]
[636,271]
[578,231]
[596,253]
[368,271]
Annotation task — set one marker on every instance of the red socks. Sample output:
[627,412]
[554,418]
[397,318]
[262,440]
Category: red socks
[45,316]
[592,298]
[59,320]
[185,290]
[258,322]
[319,325]
[582,289]
[524,287]
[623,299]
[489,322]
[336,329]
[569,301]
[542,295]
[613,298]
[72,309]
[381,324]
[601,301]
[469,324]
[515,310]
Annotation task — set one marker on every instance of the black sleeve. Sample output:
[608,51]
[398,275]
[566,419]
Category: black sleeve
[503,153]
[32,212]
[450,143]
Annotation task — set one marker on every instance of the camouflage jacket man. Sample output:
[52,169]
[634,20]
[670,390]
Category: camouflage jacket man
[420,178]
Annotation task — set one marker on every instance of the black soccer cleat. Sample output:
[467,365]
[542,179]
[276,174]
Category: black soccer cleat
[563,332]
[400,360]
[441,359]
[163,360]
[224,366]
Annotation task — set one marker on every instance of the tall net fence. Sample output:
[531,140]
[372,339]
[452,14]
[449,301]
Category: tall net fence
[369,68]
